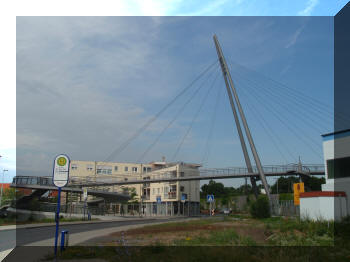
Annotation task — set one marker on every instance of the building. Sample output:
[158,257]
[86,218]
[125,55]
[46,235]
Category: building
[166,198]
[333,202]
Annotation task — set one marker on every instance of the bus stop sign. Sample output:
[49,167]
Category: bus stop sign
[61,170]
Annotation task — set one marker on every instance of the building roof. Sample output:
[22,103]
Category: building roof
[337,134]
[5,185]
[323,194]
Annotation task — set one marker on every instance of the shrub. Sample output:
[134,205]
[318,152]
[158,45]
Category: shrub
[260,208]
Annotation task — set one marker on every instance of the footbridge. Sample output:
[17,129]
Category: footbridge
[76,183]
[43,184]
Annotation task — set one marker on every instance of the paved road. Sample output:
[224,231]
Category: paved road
[25,236]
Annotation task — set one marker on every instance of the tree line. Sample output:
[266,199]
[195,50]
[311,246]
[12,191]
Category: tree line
[283,185]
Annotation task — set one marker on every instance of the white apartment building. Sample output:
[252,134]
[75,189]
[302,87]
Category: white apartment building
[165,198]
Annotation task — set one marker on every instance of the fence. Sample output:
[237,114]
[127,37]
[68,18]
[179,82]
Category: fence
[285,208]
[129,209]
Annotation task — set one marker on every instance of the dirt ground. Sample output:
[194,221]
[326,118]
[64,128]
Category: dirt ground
[167,234]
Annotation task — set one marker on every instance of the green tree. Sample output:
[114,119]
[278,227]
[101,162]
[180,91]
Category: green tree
[285,184]
[131,191]
[260,208]
[217,189]
[9,195]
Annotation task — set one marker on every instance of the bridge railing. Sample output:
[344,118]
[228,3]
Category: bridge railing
[209,172]
[32,180]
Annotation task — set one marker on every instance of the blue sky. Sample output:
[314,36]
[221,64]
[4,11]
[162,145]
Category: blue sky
[93,64]
[84,85]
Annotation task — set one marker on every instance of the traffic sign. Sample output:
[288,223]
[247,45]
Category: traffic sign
[61,170]
[183,197]
[298,188]
[159,199]
[210,198]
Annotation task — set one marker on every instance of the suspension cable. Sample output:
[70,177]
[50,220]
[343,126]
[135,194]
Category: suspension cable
[194,118]
[122,147]
[173,119]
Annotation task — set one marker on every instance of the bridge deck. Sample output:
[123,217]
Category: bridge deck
[98,193]
[204,174]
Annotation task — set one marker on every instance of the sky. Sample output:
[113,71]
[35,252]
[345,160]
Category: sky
[83,84]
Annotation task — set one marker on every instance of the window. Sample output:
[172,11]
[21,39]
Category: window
[182,174]
[107,170]
[338,168]
[182,188]
[89,167]
[134,169]
[126,169]
[153,191]
[147,169]
[115,168]
[74,167]
[125,179]
[158,191]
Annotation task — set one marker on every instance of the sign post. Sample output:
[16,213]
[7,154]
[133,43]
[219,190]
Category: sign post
[85,199]
[159,201]
[60,179]
[183,200]
[210,199]
[298,188]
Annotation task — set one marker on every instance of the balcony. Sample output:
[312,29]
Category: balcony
[172,195]
[145,197]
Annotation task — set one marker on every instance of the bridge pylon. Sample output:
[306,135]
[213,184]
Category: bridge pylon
[230,87]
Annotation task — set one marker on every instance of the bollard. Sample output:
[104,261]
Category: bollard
[64,239]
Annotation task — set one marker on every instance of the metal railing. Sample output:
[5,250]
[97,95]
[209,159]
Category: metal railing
[203,174]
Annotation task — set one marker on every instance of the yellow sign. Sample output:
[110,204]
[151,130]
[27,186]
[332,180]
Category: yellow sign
[298,188]
[61,161]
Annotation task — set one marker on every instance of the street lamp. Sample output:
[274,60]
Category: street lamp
[2,185]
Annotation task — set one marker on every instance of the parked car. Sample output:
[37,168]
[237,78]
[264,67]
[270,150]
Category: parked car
[3,211]
[225,211]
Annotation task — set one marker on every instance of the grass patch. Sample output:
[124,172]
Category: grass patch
[185,223]
[196,254]
[227,237]
[296,232]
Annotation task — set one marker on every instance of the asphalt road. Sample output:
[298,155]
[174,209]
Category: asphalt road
[25,236]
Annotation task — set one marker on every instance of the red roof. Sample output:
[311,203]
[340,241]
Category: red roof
[5,185]
[323,194]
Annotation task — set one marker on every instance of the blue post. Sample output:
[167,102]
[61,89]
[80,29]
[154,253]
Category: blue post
[57,218]
[64,238]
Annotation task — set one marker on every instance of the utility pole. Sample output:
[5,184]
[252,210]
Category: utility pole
[229,82]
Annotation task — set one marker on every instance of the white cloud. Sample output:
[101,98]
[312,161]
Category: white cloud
[311,4]
[82,84]
[293,39]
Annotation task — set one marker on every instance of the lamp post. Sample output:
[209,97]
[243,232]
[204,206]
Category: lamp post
[2,185]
